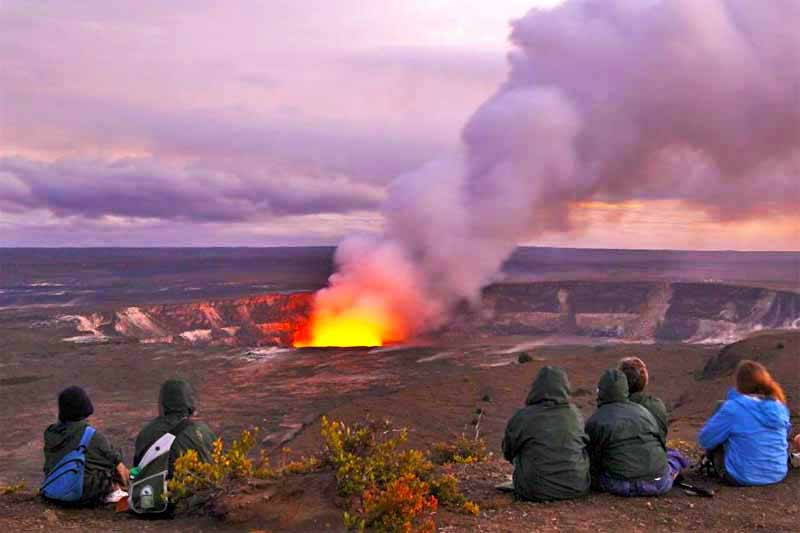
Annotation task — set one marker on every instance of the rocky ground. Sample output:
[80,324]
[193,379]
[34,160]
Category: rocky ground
[433,391]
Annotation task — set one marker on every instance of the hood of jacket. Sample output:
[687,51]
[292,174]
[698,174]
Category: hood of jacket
[551,385]
[176,398]
[61,433]
[770,413]
[613,387]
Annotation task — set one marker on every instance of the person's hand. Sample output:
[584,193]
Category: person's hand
[796,442]
[123,473]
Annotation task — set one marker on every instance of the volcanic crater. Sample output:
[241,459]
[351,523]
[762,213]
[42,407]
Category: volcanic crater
[584,311]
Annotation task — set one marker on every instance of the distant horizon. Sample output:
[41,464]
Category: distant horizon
[334,246]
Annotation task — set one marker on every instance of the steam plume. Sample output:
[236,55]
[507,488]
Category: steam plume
[606,100]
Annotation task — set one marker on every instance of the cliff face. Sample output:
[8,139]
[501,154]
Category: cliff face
[636,311]
[265,320]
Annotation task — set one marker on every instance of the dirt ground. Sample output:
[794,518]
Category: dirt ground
[436,400]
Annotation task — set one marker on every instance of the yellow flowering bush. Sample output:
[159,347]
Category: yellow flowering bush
[192,477]
[389,487]
[386,485]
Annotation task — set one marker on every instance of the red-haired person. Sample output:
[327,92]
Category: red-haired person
[747,437]
[638,378]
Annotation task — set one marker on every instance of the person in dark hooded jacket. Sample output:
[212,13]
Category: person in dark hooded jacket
[546,443]
[104,472]
[627,449]
[176,402]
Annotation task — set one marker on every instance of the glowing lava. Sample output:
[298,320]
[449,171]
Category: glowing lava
[350,328]
[343,330]
[374,298]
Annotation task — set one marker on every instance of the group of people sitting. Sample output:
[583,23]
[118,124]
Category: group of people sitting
[105,476]
[622,448]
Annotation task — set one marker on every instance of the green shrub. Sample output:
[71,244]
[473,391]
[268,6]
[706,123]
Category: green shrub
[389,487]
[194,478]
[462,450]
[386,485]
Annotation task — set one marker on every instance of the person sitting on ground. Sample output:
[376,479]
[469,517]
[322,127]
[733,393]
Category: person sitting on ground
[627,449]
[176,407]
[104,472]
[746,439]
[638,377]
[546,443]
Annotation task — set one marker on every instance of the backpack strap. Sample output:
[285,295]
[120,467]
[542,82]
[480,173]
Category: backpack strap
[163,444]
[88,433]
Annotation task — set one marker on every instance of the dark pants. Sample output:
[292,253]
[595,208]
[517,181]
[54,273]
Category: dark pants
[717,458]
[676,462]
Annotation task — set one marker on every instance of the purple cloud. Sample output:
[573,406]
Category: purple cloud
[145,188]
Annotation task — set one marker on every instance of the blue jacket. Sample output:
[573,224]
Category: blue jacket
[755,434]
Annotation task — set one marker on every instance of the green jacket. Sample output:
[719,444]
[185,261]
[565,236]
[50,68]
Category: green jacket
[624,438]
[546,443]
[656,408]
[176,402]
[101,458]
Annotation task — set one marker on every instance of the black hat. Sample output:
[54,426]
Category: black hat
[74,404]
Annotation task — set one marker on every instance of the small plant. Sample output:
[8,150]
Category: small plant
[193,477]
[287,465]
[462,450]
[471,508]
[405,504]
[6,490]
[389,487]
[369,454]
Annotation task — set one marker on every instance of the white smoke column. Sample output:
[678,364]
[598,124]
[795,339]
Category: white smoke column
[613,100]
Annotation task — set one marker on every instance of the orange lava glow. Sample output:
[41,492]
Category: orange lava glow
[350,328]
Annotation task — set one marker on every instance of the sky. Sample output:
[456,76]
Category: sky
[280,122]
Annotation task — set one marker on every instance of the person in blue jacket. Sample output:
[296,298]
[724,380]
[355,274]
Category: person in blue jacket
[747,438]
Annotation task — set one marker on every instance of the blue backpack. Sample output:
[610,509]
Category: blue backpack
[65,482]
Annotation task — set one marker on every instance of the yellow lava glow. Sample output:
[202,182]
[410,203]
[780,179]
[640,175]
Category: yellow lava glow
[346,329]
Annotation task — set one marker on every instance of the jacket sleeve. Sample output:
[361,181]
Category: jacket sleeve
[661,416]
[103,449]
[597,442]
[511,439]
[718,428]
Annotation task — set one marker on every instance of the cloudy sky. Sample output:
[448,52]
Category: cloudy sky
[194,122]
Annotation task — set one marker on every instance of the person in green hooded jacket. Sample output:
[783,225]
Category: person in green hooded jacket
[546,443]
[176,403]
[638,377]
[627,449]
[104,472]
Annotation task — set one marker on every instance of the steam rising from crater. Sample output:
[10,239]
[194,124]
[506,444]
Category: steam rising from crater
[608,100]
